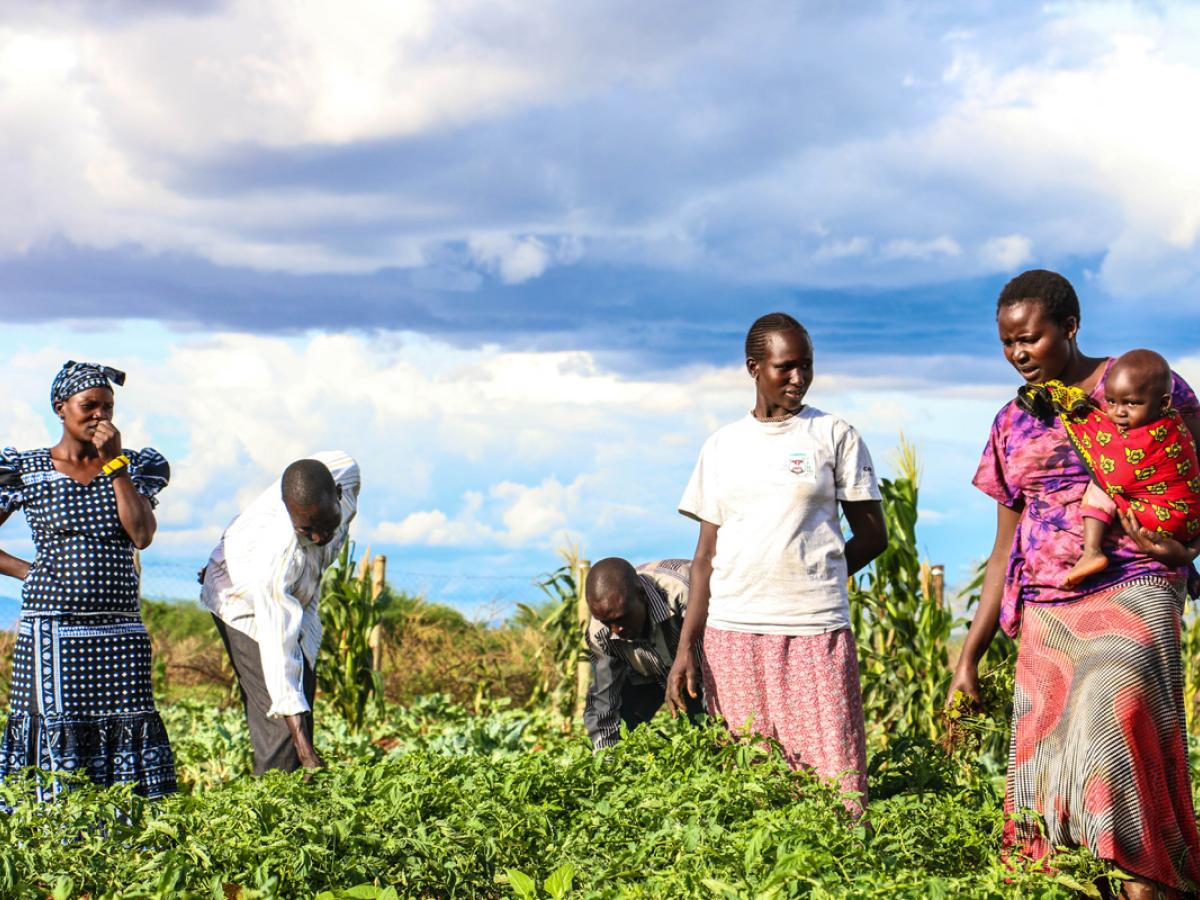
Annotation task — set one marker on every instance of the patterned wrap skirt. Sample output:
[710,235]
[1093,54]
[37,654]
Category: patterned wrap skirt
[1099,752]
[81,701]
[801,690]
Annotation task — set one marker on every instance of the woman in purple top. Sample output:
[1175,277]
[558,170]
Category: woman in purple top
[1098,747]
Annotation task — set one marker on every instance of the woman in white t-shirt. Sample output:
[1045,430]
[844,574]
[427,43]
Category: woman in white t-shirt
[768,594]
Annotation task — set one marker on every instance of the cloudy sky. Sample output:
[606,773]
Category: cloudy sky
[506,252]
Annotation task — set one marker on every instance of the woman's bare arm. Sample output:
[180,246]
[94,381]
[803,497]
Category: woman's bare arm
[987,615]
[868,532]
[135,511]
[10,565]
[685,672]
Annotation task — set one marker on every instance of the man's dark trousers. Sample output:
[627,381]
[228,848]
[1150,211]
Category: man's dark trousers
[639,703]
[272,742]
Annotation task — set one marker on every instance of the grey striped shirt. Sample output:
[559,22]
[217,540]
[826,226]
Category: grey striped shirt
[644,660]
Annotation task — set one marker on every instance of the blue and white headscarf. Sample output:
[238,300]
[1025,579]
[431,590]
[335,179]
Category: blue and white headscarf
[74,377]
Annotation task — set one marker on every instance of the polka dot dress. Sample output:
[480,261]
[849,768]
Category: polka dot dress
[81,688]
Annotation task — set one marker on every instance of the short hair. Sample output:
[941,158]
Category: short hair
[1146,367]
[1048,289]
[763,327]
[307,482]
[609,573]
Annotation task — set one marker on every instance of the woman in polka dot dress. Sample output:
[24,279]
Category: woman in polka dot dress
[81,696]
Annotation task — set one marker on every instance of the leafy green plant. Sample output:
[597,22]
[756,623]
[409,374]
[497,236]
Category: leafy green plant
[349,610]
[971,729]
[1190,652]
[672,811]
[487,797]
[558,622]
[556,887]
[902,627]
[989,726]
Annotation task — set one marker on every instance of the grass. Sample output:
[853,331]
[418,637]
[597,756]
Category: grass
[428,649]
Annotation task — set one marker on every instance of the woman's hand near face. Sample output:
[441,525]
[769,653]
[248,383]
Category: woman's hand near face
[135,512]
[107,441]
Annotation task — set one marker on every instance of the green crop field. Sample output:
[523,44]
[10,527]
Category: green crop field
[459,769]
[434,801]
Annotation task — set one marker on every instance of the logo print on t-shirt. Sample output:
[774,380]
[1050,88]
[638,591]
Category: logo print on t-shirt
[801,465]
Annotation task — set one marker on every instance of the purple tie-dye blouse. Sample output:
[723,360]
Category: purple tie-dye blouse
[1031,467]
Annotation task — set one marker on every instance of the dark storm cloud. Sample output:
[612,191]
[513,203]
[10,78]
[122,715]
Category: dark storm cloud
[743,96]
[699,144]
[636,318]
[679,184]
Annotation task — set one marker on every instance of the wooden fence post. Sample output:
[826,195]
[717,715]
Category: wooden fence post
[378,582]
[933,582]
[583,670]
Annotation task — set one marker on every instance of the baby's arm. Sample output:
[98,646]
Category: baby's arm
[1098,506]
[1098,510]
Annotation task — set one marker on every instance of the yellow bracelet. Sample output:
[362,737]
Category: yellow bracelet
[116,464]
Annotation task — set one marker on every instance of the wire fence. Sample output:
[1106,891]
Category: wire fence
[482,598]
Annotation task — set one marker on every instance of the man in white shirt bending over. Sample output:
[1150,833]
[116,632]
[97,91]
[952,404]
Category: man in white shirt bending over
[262,584]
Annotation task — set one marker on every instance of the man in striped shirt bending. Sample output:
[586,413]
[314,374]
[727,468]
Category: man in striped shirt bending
[633,636]
[262,584]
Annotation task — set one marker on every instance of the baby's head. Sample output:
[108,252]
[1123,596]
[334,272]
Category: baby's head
[1138,389]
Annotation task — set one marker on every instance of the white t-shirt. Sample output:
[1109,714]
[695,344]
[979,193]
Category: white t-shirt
[771,488]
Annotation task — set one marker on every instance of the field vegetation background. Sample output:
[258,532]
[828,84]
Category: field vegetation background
[458,768]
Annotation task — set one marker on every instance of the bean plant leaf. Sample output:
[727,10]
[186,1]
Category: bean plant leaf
[558,885]
[523,886]
[1088,890]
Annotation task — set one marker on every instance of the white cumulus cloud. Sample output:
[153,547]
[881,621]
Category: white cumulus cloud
[1008,252]
[907,248]
[488,455]
[538,510]
[515,259]
[434,528]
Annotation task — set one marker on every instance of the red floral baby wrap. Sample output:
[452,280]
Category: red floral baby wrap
[1152,470]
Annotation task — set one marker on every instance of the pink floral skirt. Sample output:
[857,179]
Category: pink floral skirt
[801,690]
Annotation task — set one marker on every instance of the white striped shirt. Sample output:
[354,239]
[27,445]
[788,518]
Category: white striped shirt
[264,582]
